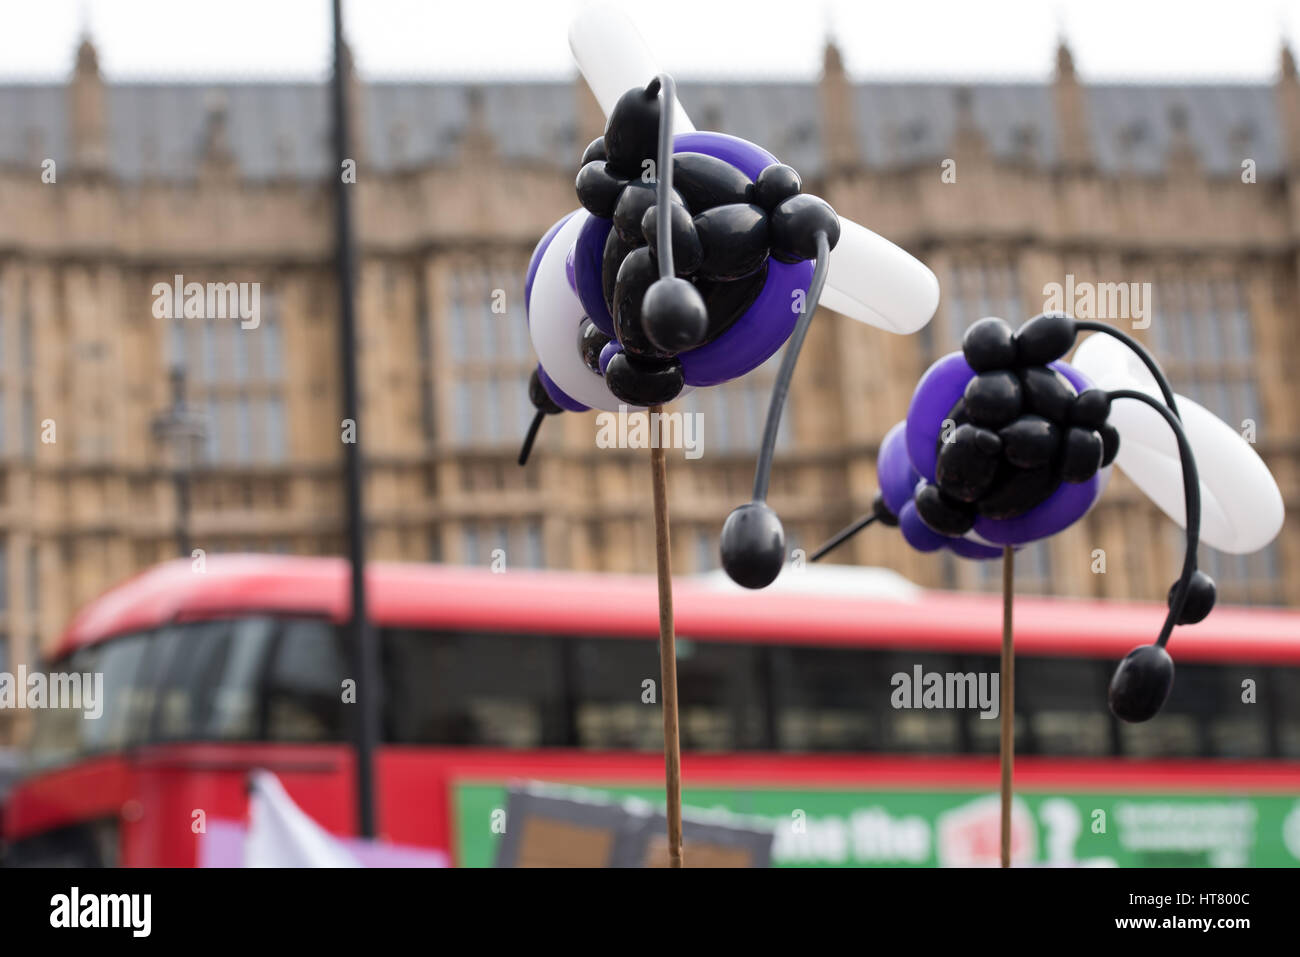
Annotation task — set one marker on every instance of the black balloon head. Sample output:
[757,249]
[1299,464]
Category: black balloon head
[632,132]
[1019,430]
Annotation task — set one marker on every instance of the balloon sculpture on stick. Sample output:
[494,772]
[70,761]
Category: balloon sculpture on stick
[1005,444]
[693,258]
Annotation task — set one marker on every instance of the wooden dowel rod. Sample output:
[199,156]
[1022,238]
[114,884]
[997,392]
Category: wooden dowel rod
[1007,745]
[667,650]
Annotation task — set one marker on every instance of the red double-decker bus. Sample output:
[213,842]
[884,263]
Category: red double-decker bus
[789,714]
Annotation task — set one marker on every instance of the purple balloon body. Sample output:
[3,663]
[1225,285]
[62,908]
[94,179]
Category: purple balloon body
[918,534]
[747,157]
[568,270]
[968,549]
[937,392]
[894,470]
[757,334]
[587,258]
[558,395]
[609,351]
[535,260]
[898,482]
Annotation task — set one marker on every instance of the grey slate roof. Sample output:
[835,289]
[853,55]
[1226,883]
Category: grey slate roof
[1226,124]
[282,129]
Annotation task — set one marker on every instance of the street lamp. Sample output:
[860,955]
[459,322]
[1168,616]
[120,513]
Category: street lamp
[365,646]
[182,432]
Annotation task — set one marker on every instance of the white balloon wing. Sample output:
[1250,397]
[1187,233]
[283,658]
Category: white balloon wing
[1241,505]
[554,315]
[870,279]
[613,57]
[873,281]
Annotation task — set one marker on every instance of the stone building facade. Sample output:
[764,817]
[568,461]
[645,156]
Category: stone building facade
[107,190]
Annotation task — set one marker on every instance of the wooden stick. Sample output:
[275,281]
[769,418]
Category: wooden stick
[667,649]
[1007,747]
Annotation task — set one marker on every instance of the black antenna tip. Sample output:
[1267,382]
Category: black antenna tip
[753,545]
[1141,683]
[527,448]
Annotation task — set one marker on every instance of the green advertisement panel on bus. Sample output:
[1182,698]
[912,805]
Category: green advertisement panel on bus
[853,828]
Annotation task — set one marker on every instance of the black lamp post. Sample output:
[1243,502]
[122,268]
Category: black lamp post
[364,647]
[182,431]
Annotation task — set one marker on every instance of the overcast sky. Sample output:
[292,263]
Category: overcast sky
[1015,39]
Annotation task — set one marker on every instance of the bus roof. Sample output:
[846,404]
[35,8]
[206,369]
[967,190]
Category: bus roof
[453,597]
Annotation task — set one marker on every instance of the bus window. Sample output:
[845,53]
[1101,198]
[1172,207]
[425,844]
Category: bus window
[720,690]
[933,731]
[983,735]
[88,844]
[1284,693]
[305,686]
[1174,735]
[833,699]
[210,691]
[1281,696]
[58,735]
[1063,702]
[821,699]
[162,649]
[233,711]
[1236,727]
[608,681]
[1201,718]
[479,689]
[119,661]
[721,694]
[184,687]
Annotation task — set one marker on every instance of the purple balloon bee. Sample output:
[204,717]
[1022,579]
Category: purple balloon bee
[1005,444]
[740,236]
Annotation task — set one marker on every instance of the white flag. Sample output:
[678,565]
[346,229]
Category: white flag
[280,834]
